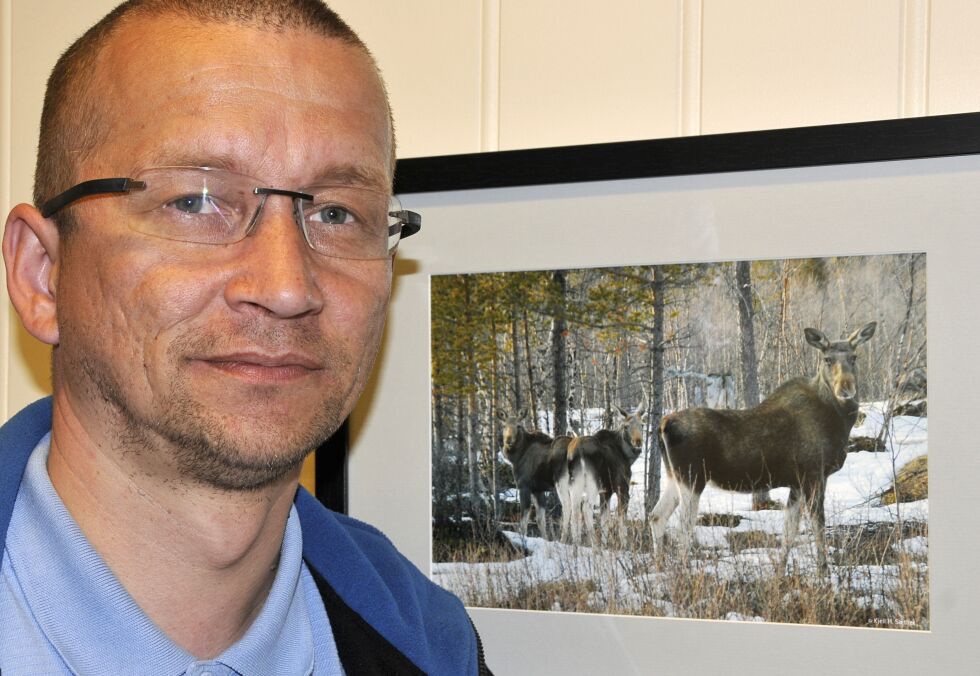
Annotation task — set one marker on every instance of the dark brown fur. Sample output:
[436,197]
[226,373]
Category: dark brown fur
[743,450]
[538,461]
[796,438]
[602,462]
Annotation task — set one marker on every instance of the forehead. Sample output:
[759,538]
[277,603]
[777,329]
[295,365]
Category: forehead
[282,106]
[840,348]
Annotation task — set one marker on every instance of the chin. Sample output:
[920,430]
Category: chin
[246,451]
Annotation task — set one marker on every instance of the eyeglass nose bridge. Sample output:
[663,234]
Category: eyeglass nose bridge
[298,217]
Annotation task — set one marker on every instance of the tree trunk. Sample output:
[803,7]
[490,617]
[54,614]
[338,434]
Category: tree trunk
[516,362]
[472,436]
[440,508]
[460,457]
[625,374]
[656,404]
[531,389]
[558,352]
[781,356]
[492,417]
[574,384]
[750,369]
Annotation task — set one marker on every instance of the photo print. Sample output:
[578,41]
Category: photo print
[737,440]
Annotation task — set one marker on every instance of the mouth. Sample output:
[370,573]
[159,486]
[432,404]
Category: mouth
[261,368]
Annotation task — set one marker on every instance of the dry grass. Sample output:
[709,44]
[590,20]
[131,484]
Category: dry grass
[912,483]
[463,545]
[873,581]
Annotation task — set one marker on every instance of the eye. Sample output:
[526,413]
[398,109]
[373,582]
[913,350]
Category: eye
[332,214]
[193,204]
[828,360]
[852,359]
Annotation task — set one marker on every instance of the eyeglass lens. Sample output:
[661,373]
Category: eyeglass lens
[212,206]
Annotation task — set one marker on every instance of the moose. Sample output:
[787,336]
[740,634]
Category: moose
[599,466]
[795,438]
[539,462]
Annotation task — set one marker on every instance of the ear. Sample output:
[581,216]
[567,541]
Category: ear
[816,338]
[621,411]
[30,253]
[863,334]
[640,411]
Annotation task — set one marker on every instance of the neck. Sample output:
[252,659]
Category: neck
[824,386]
[199,561]
[627,446]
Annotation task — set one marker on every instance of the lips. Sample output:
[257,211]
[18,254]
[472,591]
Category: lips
[262,368]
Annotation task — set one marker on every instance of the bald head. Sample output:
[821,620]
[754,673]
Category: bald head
[75,121]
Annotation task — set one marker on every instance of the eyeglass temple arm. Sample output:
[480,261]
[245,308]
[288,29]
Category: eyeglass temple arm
[99,186]
[410,223]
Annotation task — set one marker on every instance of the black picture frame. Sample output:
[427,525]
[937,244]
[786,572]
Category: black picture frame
[904,139]
[877,141]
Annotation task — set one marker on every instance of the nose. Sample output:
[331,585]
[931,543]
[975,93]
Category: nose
[274,269]
[846,386]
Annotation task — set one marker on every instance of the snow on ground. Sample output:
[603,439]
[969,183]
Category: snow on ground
[850,500]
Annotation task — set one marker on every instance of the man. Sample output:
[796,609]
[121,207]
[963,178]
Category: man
[210,256]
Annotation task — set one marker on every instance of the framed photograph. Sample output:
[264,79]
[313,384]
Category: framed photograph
[865,232]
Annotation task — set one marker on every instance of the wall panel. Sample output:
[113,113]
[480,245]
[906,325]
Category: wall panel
[954,56]
[5,201]
[770,63]
[574,71]
[430,54]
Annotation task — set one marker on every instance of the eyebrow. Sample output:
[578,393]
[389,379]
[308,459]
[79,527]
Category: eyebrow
[353,175]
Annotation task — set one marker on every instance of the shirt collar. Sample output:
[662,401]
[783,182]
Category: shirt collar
[97,627]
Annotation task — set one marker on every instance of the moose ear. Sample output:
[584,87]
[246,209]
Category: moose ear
[641,409]
[816,339]
[621,411]
[863,334]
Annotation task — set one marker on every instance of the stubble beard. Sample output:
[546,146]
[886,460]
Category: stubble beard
[200,441]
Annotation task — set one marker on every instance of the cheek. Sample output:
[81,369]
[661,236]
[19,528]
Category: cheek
[123,307]
[356,303]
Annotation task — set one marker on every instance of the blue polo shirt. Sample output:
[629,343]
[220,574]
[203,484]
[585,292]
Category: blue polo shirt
[62,611]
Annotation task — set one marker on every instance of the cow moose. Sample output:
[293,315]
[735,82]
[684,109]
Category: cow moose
[599,466]
[796,438]
[538,461]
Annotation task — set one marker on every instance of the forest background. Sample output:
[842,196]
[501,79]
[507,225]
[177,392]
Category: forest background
[567,345]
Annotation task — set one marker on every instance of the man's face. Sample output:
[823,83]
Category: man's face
[233,359]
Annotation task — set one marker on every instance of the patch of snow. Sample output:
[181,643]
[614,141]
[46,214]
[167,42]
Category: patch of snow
[739,617]
[917,546]
[630,580]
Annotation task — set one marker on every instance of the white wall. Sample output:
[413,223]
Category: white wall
[476,75]
[472,75]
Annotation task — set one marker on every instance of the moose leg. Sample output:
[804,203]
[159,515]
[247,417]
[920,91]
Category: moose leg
[605,517]
[588,497]
[690,497]
[815,507]
[540,514]
[662,510]
[576,506]
[622,507]
[525,498]
[791,526]
[565,498]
